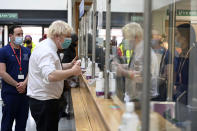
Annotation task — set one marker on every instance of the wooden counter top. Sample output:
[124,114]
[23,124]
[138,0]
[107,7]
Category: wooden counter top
[105,111]
[107,108]
[87,116]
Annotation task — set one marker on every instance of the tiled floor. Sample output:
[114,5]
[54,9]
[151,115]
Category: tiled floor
[64,124]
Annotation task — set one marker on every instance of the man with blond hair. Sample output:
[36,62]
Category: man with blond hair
[47,75]
[133,35]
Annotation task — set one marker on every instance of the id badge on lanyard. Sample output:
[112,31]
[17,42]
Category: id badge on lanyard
[20,75]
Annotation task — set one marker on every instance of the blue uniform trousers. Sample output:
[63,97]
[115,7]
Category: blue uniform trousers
[15,107]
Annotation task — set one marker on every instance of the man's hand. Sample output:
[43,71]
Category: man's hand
[76,70]
[21,86]
[74,60]
[70,65]
[119,70]
[78,62]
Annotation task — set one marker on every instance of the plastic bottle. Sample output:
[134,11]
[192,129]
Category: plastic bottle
[112,83]
[100,85]
[89,71]
[130,120]
[97,70]
[89,61]
[83,63]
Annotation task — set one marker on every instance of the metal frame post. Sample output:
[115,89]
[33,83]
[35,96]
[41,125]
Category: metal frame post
[84,34]
[107,50]
[171,45]
[147,62]
[82,41]
[86,52]
[94,38]
[79,43]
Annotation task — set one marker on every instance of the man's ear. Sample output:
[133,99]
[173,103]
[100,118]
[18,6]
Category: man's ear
[136,38]
[10,36]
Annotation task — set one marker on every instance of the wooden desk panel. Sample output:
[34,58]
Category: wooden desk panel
[94,116]
[81,117]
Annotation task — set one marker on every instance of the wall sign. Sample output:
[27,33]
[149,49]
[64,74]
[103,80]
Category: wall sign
[8,15]
[180,12]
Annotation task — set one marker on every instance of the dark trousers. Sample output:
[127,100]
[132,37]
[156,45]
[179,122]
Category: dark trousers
[15,107]
[45,114]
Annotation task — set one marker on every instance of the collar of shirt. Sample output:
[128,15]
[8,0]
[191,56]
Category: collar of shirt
[139,50]
[52,44]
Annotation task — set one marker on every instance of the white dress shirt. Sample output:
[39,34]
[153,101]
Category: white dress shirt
[43,61]
[133,87]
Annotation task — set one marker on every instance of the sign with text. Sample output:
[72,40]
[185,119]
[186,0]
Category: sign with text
[8,15]
[180,12]
[137,18]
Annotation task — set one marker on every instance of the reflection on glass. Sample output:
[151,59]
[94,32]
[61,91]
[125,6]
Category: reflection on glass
[184,93]
[133,68]
[129,64]
[126,60]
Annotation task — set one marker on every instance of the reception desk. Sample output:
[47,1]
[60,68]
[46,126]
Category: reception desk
[98,114]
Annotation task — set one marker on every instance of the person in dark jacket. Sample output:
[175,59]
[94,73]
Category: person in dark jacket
[186,39]
[70,52]
[69,55]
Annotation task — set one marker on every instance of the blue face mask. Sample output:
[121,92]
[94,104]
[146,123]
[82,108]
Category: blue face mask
[18,40]
[67,42]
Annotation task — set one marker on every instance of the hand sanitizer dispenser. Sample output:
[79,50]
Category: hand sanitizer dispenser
[100,85]
[83,63]
[130,120]
[112,83]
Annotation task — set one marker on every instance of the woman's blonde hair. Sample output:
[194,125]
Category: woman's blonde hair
[132,30]
[59,28]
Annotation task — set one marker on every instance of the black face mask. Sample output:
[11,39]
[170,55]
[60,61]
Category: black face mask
[28,41]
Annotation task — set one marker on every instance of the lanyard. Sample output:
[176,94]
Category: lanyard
[19,62]
[183,62]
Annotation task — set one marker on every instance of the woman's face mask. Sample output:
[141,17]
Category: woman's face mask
[177,44]
[154,42]
[66,43]
[28,41]
[18,40]
[178,40]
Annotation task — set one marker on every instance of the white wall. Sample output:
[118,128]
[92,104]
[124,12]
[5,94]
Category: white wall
[34,4]
[130,5]
[121,6]
[158,21]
